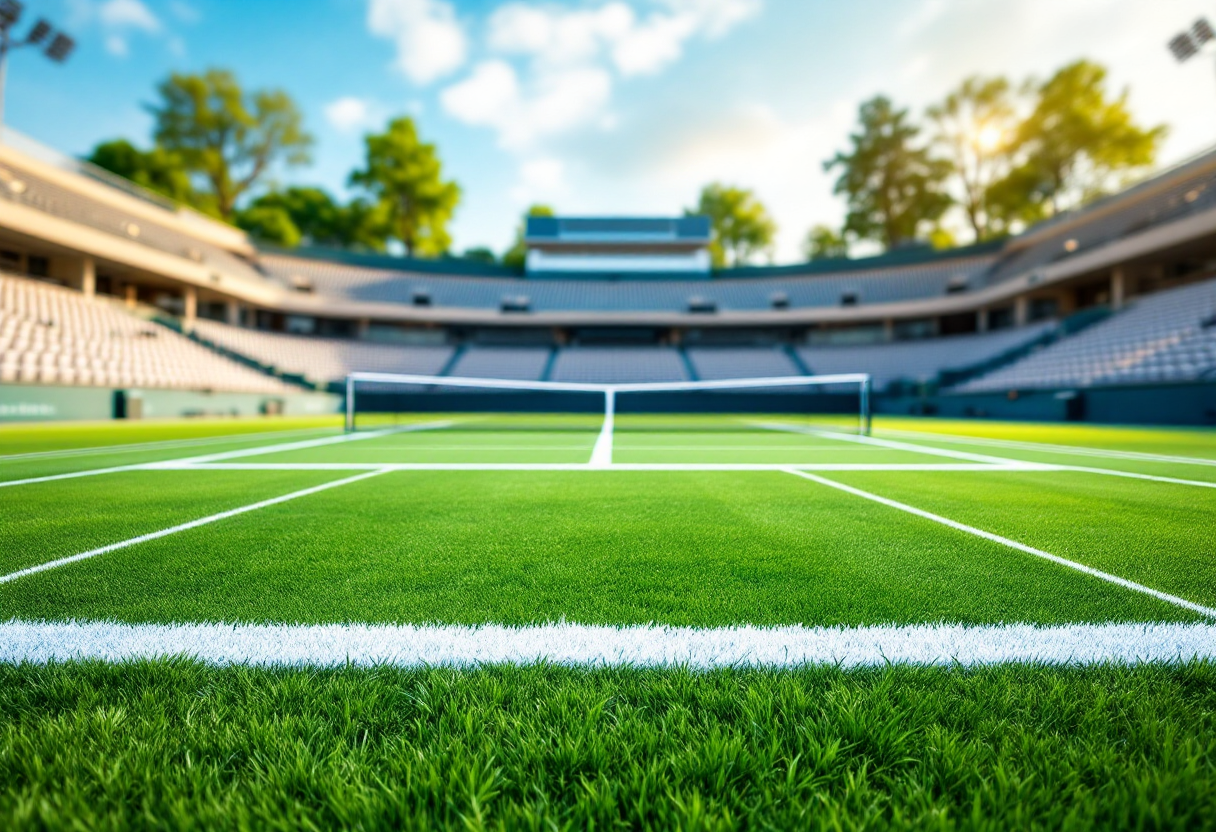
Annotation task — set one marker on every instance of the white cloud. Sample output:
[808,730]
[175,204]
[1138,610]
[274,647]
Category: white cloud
[348,114]
[119,18]
[634,45]
[128,14]
[116,45]
[493,96]
[565,60]
[185,12]
[430,41]
[541,179]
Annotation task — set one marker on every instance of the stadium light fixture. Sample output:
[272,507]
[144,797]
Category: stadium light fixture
[56,45]
[1186,45]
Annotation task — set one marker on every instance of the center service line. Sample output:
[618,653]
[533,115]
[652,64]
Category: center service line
[193,524]
[1209,612]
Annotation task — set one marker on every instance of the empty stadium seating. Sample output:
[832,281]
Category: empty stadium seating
[1160,338]
[324,359]
[522,363]
[618,365]
[711,363]
[918,361]
[52,335]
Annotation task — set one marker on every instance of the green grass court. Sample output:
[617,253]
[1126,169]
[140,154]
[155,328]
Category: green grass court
[893,570]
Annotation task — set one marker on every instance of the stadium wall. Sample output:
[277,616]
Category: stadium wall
[1157,404]
[35,402]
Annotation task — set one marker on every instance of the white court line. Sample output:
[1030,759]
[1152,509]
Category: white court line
[1044,447]
[193,524]
[587,466]
[174,464]
[371,645]
[886,443]
[601,454]
[1013,544]
[311,443]
[167,444]
[995,460]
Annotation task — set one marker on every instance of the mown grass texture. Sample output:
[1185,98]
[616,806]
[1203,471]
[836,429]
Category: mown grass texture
[179,745]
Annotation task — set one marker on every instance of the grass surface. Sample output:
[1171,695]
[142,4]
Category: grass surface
[178,745]
[173,744]
[613,548]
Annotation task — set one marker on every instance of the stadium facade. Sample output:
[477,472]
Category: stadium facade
[114,300]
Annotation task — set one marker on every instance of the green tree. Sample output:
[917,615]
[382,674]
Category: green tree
[405,177]
[825,243]
[230,139]
[157,169]
[517,254]
[976,124]
[1076,144]
[480,254]
[893,186]
[318,219]
[269,223]
[741,225]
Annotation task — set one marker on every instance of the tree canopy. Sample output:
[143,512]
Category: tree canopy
[1076,144]
[741,225]
[316,218]
[405,177]
[159,170]
[825,243]
[976,124]
[893,185]
[516,255]
[229,138]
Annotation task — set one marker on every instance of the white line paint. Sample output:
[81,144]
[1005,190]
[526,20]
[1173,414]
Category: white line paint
[1013,544]
[365,645]
[74,474]
[168,444]
[601,454]
[1044,447]
[587,466]
[193,524]
[1111,472]
[307,443]
[185,462]
[886,443]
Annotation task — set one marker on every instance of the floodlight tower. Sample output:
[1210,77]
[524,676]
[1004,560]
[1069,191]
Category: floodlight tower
[1186,44]
[56,45]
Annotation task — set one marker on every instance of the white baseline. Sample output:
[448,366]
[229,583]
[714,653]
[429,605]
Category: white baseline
[365,645]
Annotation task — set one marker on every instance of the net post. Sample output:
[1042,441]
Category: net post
[866,421]
[350,404]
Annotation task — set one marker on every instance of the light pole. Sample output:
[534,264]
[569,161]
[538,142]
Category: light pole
[1186,45]
[55,45]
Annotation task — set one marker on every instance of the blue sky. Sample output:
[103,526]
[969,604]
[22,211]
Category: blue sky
[600,106]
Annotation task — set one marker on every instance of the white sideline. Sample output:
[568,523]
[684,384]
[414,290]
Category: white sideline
[886,443]
[587,466]
[1000,461]
[309,443]
[363,645]
[182,462]
[193,524]
[166,444]
[1044,447]
[1208,612]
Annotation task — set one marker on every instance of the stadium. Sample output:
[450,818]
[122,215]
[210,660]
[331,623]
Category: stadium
[311,536]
